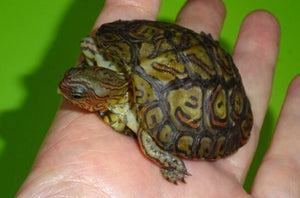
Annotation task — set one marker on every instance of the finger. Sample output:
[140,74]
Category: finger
[279,174]
[255,55]
[128,10]
[203,15]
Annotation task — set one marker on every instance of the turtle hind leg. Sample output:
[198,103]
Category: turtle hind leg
[172,168]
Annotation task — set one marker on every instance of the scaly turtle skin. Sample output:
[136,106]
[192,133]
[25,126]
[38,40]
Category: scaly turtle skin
[177,91]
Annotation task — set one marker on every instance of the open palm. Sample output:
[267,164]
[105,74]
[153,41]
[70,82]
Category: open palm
[83,157]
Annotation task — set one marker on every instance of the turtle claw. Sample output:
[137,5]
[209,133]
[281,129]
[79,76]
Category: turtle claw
[173,175]
[183,180]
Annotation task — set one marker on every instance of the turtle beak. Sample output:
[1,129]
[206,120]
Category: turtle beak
[59,91]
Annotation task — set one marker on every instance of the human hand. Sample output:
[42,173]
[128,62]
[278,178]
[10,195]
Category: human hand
[81,156]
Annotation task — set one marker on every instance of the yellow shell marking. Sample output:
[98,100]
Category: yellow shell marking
[185,107]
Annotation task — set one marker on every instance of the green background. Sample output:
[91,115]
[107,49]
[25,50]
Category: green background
[40,40]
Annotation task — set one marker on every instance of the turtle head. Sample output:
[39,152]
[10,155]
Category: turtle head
[93,88]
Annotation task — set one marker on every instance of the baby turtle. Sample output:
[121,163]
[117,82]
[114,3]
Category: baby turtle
[178,92]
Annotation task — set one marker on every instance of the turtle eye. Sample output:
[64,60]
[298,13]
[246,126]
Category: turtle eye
[77,96]
[78,93]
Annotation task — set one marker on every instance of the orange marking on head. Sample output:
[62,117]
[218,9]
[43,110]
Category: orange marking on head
[112,87]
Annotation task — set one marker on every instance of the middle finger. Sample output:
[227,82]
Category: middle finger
[203,15]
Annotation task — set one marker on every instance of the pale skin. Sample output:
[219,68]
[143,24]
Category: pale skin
[83,157]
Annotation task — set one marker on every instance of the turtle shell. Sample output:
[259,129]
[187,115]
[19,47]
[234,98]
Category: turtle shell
[186,89]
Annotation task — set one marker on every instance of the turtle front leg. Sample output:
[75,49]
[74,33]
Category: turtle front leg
[116,123]
[93,57]
[172,168]
[90,51]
